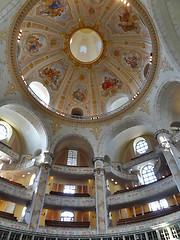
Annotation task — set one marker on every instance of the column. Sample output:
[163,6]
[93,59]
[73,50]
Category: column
[100,187]
[163,138]
[39,193]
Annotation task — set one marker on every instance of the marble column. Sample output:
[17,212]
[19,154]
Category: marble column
[100,187]
[40,191]
[163,137]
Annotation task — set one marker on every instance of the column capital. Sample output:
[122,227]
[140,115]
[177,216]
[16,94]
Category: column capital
[45,167]
[98,159]
[161,131]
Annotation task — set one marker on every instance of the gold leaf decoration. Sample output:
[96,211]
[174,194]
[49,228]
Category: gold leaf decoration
[11,89]
[145,107]
[55,126]
[166,66]
[3,35]
[96,131]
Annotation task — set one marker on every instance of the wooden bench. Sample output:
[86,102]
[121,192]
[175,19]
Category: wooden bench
[52,223]
[7,215]
[70,195]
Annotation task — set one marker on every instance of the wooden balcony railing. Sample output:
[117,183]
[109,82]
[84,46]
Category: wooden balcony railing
[7,215]
[70,195]
[149,215]
[52,223]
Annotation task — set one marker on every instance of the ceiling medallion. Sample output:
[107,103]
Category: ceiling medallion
[85,46]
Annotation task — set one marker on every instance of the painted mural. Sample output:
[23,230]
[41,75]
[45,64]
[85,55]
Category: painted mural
[131,58]
[56,10]
[80,92]
[53,74]
[110,83]
[125,20]
[36,43]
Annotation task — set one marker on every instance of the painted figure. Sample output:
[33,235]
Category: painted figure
[54,8]
[80,93]
[131,58]
[51,76]
[128,20]
[33,44]
[111,82]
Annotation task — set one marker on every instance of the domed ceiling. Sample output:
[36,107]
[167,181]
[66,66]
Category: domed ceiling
[92,56]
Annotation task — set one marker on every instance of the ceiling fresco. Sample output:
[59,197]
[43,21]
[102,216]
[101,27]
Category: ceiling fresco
[121,69]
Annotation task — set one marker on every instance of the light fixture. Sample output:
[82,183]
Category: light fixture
[115,182]
[112,179]
[163,176]
[23,175]
[29,173]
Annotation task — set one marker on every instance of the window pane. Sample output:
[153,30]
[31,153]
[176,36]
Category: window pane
[72,158]
[67,216]
[141,147]
[69,189]
[148,174]
[3,132]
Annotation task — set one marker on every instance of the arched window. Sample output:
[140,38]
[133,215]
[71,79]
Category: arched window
[3,132]
[67,216]
[40,91]
[140,145]
[72,158]
[158,205]
[148,174]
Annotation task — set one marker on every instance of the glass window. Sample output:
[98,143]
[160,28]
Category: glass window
[72,158]
[83,49]
[157,205]
[148,174]
[69,189]
[40,91]
[141,146]
[3,132]
[67,216]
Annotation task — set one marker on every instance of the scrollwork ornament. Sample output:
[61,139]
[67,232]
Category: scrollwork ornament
[11,88]
[166,66]
[144,107]
[96,131]
[55,126]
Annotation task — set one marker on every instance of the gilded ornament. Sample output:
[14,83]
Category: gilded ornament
[96,131]
[144,107]
[166,66]
[55,126]
[11,89]
[3,35]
